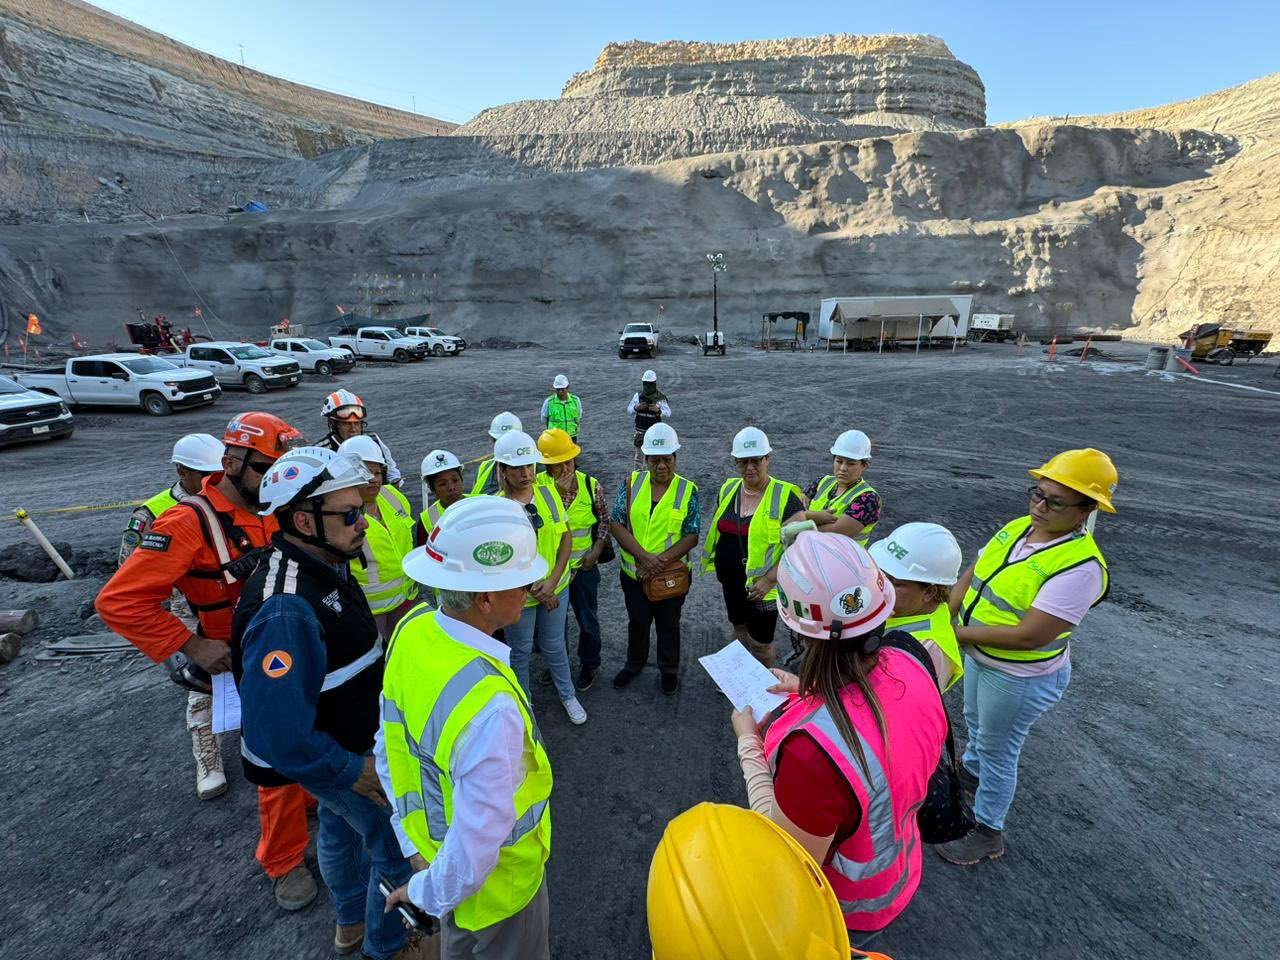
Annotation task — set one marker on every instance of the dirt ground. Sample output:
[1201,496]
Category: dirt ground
[1145,824]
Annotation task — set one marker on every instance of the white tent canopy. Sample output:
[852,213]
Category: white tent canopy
[899,317]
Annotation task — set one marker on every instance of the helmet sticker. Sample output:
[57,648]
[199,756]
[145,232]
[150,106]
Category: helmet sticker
[492,553]
[851,601]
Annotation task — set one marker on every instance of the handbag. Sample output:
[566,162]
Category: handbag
[944,816]
[671,581]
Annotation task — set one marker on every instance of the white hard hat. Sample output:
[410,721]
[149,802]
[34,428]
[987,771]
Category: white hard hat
[561,382]
[750,442]
[852,445]
[504,422]
[919,552]
[480,544]
[365,448]
[344,405]
[308,472]
[199,451]
[516,449]
[660,440]
[438,461]
[649,377]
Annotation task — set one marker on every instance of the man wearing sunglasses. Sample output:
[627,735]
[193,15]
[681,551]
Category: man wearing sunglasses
[206,546]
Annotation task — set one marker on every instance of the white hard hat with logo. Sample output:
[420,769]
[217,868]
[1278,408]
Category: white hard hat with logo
[364,447]
[561,382]
[481,544]
[919,552]
[438,461]
[649,377]
[750,442]
[308,472]
[199,451]
[852,445]
[516,449]
[660,440]
[504,422]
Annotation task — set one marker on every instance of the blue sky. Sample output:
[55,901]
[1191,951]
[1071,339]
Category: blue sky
[454,59]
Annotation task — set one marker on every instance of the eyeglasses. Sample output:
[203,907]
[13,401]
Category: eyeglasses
[1052,503]
[535,518]
[258,466]
[349,517]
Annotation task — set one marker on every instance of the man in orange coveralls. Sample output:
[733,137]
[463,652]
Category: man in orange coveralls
[206,547]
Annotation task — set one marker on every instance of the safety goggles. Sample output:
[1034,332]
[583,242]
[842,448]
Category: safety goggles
[1052,504]
[349,517]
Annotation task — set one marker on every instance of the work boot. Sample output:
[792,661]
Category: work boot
[348,938]
[623,677]
[670,683]
[206,747]
[420,948]
[586,677]
[981,843]
[296,889]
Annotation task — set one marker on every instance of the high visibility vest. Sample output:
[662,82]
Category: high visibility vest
[486,479]
[432,688]
[657,529]
[826,499]
[1002,591]
[764,535]
[546,500]
[936,634]
[581,517]
[431,516]
[381,575]
[161,502]
[564,414]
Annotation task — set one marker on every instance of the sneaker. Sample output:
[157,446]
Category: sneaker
[349,938]
[296,889]
[670,683]
[625,676]
[573,708]
[981,843]
[586,677]
[206,747]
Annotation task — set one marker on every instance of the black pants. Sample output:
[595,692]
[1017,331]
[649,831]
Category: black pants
[583,600]
[742,610]
[641,613]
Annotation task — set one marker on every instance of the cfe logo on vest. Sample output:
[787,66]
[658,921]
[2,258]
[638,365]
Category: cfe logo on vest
[276,664]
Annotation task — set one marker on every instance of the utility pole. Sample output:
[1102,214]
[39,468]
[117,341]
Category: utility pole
[242,54]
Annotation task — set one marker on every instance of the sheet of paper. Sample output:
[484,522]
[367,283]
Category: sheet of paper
[743,679]
[226,702]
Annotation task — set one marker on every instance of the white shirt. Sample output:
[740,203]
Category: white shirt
[664,408]
[489,763]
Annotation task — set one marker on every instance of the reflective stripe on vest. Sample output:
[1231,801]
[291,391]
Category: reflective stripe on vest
[433,687]
[217,538]
[823,500]
[546,500]
[388,539]
[564,414]
[934,629]
[580,516]
[659,528]
[486,479]
[764,535]
[1003,590]
[431,516]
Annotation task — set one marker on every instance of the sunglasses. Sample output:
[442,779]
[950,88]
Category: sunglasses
[535,518]
[1053,504]
[349,517]
[259,467]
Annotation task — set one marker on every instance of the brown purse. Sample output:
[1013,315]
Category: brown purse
[673,580]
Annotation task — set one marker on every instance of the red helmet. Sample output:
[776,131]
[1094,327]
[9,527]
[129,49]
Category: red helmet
[263,432]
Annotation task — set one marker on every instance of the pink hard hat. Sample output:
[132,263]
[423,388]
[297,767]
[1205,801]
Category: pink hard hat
[829,587]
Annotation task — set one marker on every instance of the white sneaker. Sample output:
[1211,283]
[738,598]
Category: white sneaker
[572,707]
[206,746]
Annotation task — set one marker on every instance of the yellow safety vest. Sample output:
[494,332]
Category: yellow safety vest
[161,502]
[486,479]
[387,540]
[825,499]
[934,628]
[431,516]
[432,688]
[546,500]
[657,529]
[564,414]
[764,535]
[1003,591]
[581,516]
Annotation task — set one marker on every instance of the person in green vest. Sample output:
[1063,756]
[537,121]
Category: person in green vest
[195,456]
[589,535]
[389,538]
[842,501]
[486,476]
[460,756]
[922,561]
[441,489]
[1017,605]
[562,410]
[744,544]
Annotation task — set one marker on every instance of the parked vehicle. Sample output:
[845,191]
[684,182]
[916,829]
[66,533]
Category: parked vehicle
[313,355]
[243,365]
[439,343]
[155,384]
[381,343]
[27,414]
[639,338]
[987,327]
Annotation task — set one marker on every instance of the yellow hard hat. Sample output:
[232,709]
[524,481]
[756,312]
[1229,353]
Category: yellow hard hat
[729,884]
[1086,471]
[556,446]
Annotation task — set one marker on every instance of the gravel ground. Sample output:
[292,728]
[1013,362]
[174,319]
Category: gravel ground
[1145,823]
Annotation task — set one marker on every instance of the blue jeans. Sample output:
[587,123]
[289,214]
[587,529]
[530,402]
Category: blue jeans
[999,710]
[354,844]
[548,625]
[584,592]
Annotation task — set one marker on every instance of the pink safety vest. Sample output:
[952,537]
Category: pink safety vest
[876,871]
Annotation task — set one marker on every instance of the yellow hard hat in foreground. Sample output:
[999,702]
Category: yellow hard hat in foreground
[729,884]
[556,446]
[1086,471]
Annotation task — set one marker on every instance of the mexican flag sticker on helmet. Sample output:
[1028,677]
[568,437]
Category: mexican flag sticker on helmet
[493,553]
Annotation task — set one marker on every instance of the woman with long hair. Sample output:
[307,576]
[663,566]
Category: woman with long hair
[844,764]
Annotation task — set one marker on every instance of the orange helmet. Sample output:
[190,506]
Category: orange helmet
[264,432]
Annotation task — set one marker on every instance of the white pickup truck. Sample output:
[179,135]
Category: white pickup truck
[439,343]
[26,414]
[124,379]
[639,338]
[313,355]
[243,365]
[381,343]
